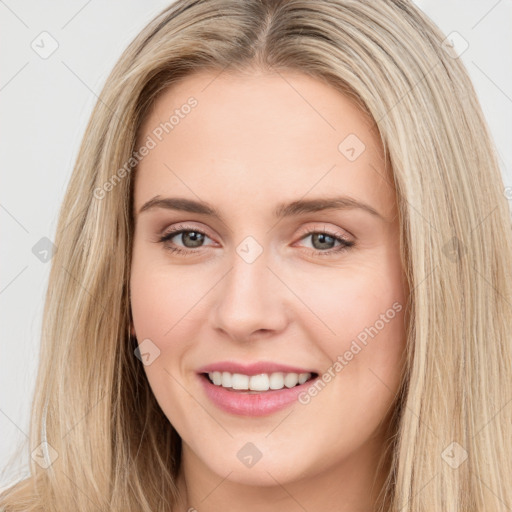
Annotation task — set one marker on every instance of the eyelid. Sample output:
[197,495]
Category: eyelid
[334,231]
[175,229]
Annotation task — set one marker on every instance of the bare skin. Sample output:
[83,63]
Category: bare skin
[251,143]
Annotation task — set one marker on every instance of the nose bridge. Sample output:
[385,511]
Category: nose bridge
[249,299]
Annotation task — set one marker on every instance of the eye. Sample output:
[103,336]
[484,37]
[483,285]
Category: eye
[323,242]
[191,238]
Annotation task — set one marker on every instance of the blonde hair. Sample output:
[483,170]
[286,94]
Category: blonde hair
[93,405]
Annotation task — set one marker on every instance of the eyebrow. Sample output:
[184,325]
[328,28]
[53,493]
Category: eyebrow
[283,210]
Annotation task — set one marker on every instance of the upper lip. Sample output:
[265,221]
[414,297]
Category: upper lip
[252,368]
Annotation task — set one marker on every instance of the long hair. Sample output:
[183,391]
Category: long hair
[101,440]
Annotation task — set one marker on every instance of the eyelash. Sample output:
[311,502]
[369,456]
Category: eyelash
[345,244]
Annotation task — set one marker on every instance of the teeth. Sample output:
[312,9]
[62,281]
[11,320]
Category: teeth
[260,382]
[277,381]
[303,377]
[291,379]
[239,381]
[226,380]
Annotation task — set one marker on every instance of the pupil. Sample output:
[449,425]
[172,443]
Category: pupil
[321,237]
[193,236]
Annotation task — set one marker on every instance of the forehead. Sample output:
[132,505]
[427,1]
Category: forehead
[260,138]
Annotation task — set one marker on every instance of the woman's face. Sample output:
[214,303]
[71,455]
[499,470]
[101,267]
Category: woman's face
[270,273]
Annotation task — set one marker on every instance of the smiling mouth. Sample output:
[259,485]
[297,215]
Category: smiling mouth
[260,383]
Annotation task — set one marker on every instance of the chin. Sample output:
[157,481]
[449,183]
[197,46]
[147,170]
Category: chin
[260,463]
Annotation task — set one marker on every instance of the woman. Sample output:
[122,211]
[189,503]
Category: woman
[281,277]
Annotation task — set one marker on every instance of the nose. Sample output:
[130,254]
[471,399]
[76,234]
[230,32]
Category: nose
[250,301]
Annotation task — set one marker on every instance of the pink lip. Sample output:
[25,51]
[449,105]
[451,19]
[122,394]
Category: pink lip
[252,368]
[243,403]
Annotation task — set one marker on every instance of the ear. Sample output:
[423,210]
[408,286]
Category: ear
[132,330]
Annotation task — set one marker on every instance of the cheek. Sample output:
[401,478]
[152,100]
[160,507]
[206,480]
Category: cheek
[152,301]
[162,303]
[364,358]
[169,309]
[358,323]
[363,363]
[163,297]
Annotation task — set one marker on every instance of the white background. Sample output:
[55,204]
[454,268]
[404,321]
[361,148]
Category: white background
[45,105]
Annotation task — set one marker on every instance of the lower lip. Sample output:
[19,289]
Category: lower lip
[252,404]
